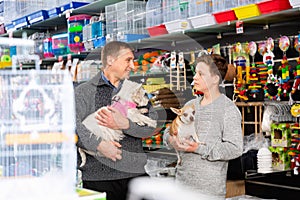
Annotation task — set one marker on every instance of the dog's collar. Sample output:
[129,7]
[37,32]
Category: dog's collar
[180,119]
[129,104]
[141,107]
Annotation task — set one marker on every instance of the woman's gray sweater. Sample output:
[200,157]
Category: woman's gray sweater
[219,126]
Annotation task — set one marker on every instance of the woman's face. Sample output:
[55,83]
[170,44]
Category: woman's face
[203,79]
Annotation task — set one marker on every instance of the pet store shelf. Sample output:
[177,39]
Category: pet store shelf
[282,22]
[58,23]
[276,185]
[272,24]
[183,40]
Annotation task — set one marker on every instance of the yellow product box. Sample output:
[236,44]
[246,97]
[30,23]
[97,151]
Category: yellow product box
[247,11]
[85,194]
[152,88]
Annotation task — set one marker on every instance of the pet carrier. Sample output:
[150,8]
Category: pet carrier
[37,139]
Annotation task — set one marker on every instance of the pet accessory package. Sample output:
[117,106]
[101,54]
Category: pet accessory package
[37,132]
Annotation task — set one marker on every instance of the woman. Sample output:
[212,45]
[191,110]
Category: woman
[218,126]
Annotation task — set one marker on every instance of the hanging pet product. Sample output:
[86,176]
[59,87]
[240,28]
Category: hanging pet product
[284,44]
[182,69]
[177,71]
[268,55]
[295,93]
[193,62]
[173,68]
[254,88]
[272,88]
[295,110]
[266,67]
[241,61]
[231,71]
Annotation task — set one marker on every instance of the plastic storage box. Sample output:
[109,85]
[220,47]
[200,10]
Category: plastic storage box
[72,5]
[37,16]
[98,29]
[247,11]
[20,22]
[53,12]
[48,52]
[177,25]
[75,28]
[9,27]
[202,20]
[225,16]
[157,30]
[273,6]
[60,44]
[99,42]
[5,57]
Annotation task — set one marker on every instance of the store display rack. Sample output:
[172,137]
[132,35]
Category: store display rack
[256,28]
[185,40]
[277,185]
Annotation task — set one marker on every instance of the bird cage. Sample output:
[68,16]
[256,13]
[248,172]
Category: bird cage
[131,20]
[111,22]
[37,137]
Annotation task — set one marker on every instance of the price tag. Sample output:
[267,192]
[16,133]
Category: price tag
[239,27]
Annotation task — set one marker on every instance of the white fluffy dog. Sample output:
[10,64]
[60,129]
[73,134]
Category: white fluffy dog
[131,96]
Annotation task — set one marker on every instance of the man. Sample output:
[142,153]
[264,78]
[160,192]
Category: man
[115,164]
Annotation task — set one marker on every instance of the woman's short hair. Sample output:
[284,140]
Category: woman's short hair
[221,63]
[213,68]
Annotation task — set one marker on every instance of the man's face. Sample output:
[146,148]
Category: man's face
[123,64]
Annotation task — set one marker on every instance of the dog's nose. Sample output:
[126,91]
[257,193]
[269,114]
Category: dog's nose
[191,118]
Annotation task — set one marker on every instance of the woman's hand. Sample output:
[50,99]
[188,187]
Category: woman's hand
[187,146]
[111,118]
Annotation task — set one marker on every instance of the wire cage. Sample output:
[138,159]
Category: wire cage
[14,9]
[111,22]
[174,10]
[200,7]
[37,134]
[131,17]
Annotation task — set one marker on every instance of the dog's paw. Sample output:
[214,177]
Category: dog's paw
[144,110]
[141,123]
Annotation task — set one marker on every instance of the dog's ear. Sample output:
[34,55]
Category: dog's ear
[175,110]
[193,106]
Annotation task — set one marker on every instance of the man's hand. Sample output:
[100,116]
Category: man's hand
[112,118]
[110,150]
[188,146]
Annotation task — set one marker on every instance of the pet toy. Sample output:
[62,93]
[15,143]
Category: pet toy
[296,71]
[284,44]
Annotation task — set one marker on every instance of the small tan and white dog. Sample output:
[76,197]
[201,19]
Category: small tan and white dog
[127,100]
[183,126]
